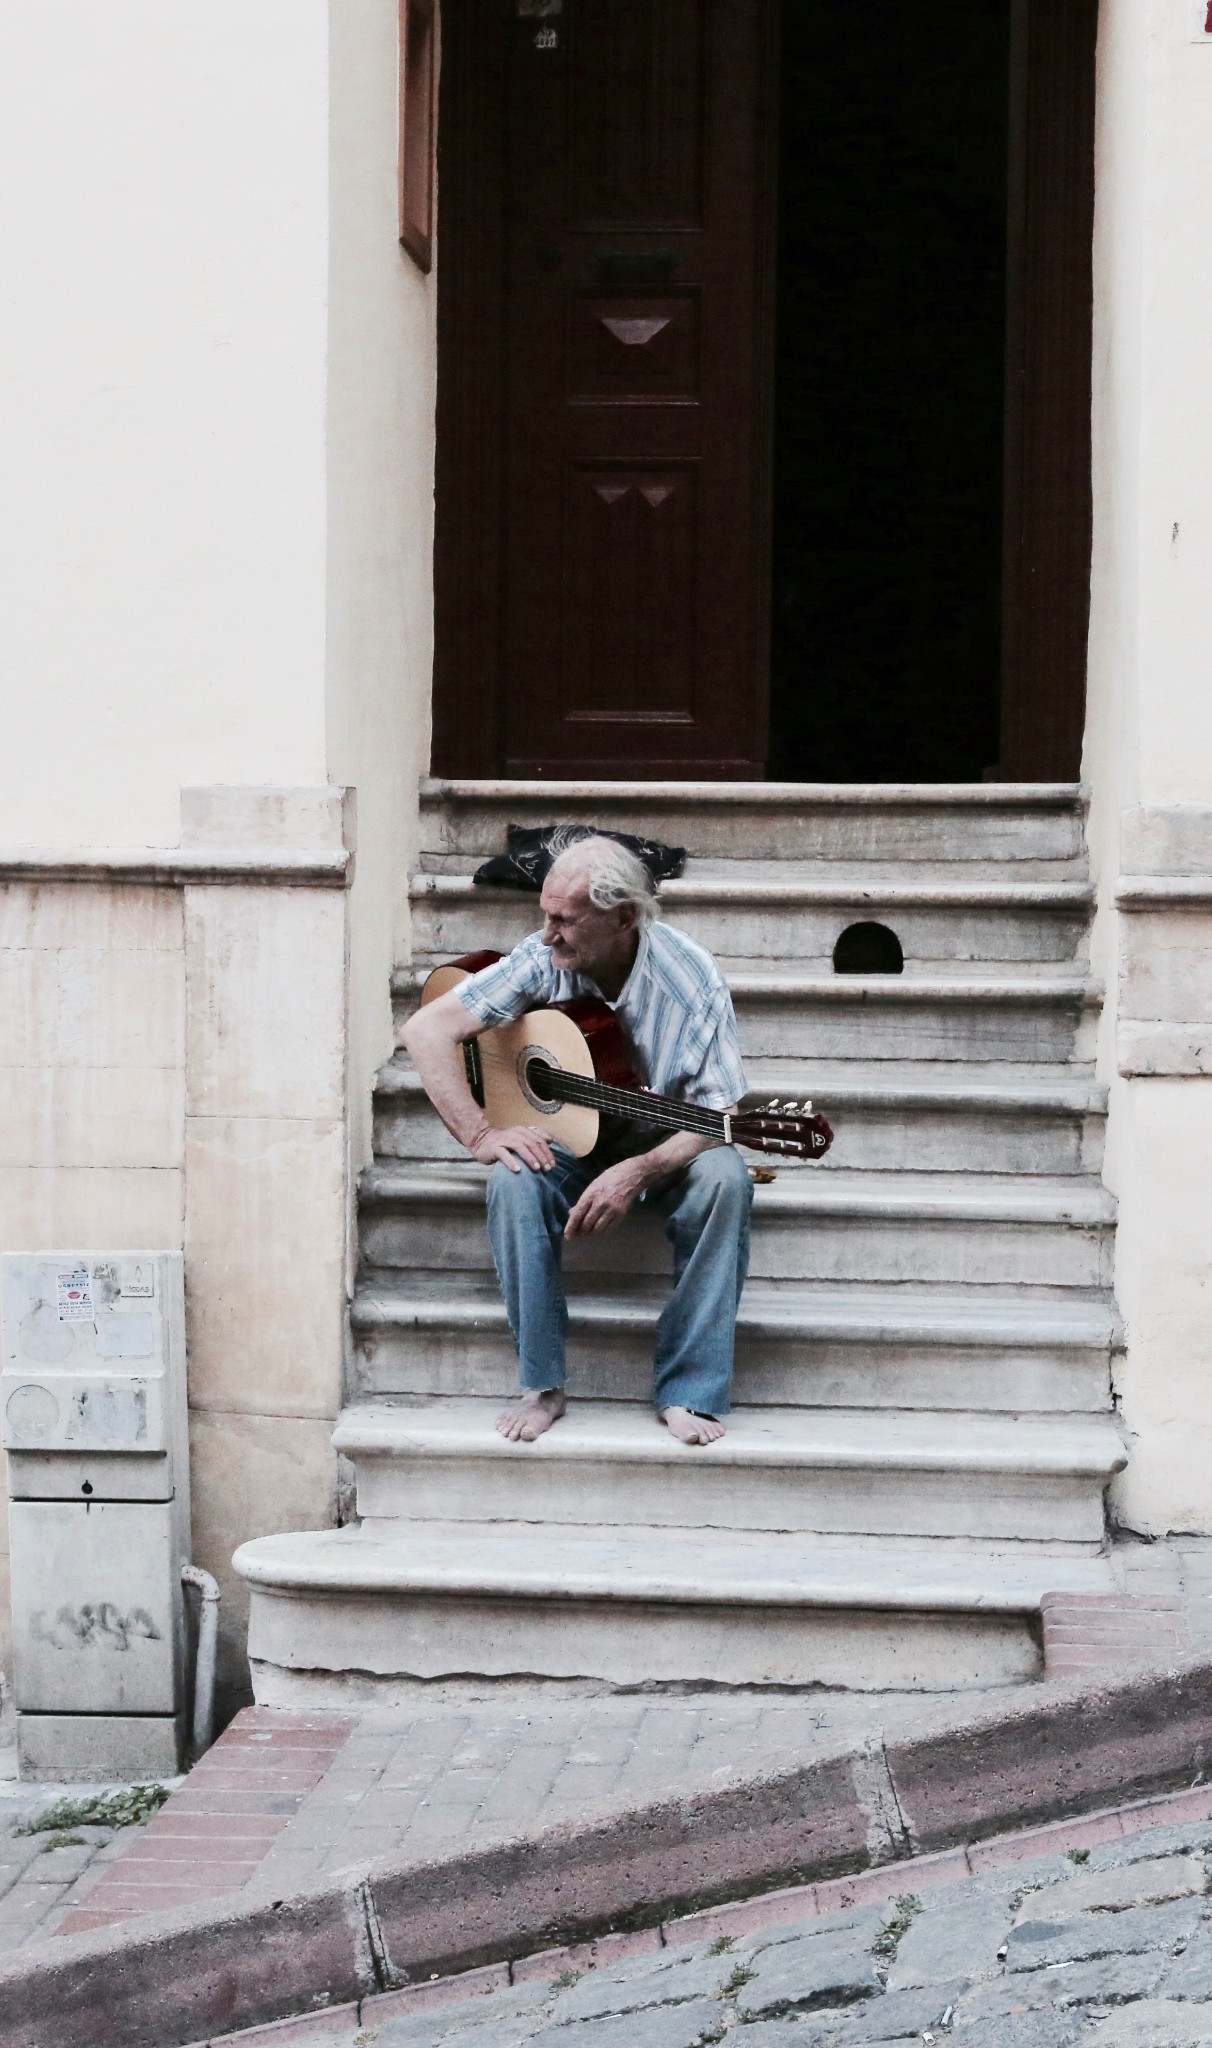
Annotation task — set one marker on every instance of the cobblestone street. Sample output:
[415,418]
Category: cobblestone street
[1110,1945]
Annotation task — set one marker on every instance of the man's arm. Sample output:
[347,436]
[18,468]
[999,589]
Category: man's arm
[607,1199]
[434,1040]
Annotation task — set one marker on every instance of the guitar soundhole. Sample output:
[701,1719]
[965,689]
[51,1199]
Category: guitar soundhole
[536,1068]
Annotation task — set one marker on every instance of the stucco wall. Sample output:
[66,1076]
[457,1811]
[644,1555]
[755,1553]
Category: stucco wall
[163,224]
[382,383]
[1149,730]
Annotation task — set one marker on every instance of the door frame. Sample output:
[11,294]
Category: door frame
[1048,500]
[470,401]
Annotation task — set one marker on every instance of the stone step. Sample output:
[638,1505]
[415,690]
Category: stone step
[801,1344]
[797,921]
[846,1225]
[1010,822]
[641,1608]
[1046,1015]
[980,1124]
[834,1472]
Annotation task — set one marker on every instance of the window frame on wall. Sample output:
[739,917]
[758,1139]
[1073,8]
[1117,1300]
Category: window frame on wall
[418,105]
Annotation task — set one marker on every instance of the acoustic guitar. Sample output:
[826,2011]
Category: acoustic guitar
[560,1069]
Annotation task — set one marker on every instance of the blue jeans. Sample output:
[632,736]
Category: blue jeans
[705,1212]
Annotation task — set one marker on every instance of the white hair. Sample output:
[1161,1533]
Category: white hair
[614,875]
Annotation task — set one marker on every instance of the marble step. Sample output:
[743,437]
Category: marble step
[1047,1015]
[925,1120]
[959,822]
[833,1472]
[845,1225]
[797,921]
[354,1613]
[801,1344]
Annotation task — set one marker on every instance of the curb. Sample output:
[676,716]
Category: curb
[175,1977]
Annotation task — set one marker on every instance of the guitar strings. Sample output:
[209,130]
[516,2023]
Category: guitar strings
[645,1109]
[592,1094]
[660,1110]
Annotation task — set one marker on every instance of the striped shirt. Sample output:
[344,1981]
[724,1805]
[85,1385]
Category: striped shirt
[675,1009]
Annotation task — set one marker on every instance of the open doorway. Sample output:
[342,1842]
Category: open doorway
[889,388]
[931,378]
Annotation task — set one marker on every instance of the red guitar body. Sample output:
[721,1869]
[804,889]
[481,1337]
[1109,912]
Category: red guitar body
[594,1019]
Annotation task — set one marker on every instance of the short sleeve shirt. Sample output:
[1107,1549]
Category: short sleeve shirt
[675,1009]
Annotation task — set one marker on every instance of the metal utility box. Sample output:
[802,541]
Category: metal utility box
[93,1394]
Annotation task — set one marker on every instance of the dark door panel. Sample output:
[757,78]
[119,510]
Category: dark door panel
[602,569]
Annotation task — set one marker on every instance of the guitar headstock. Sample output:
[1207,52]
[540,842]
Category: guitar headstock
[787,1127]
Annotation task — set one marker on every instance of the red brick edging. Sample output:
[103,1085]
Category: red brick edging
[1089,1632]
[213,1832]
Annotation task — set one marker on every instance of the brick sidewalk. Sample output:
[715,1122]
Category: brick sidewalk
[218,1827]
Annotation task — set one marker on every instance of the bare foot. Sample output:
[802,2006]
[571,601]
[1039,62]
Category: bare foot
[531,1415]
[690,1428]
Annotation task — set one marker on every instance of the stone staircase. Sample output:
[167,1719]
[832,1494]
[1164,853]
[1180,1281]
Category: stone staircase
[924,1430]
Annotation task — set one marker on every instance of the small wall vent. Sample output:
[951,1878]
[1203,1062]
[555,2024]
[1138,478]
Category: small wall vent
[868,949]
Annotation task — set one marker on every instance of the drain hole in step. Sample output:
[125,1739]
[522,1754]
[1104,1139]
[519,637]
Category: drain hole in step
[868,949]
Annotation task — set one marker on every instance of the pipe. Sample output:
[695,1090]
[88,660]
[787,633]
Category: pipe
[204,1662]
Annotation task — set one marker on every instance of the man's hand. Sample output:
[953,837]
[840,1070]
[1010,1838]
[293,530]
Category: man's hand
[606,1200]
[517,1147]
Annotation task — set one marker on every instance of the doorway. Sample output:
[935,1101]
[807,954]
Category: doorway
[764,367]
[889,382]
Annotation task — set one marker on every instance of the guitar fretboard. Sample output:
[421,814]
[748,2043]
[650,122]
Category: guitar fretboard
[635,1103]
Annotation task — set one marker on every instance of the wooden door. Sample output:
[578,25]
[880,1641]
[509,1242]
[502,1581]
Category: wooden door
[602,562]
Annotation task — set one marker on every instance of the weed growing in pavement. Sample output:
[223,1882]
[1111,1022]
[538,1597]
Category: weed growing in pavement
[721,1945]
[739,1978]
[567,1978]
[64,1842]
[885,1945]
[1078,1855]
[128,1808]
[1015,1899]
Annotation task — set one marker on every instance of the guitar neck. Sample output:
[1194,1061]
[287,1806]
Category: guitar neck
[638,1105]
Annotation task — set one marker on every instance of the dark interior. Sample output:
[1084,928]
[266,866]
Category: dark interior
[889,390]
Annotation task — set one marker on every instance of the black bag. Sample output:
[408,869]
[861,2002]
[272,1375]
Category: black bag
[529,855]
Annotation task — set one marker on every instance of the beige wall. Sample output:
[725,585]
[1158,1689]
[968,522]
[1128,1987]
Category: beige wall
[1149,730]
[382,380]
[266,1182]
[172,1072]
[92,1061]
[164,244]
[220,369]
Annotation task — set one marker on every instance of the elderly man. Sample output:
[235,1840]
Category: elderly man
[599,938]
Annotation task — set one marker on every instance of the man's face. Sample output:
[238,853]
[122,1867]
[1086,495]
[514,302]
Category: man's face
[582,938]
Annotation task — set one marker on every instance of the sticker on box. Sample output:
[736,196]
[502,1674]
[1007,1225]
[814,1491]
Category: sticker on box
[75,1296]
